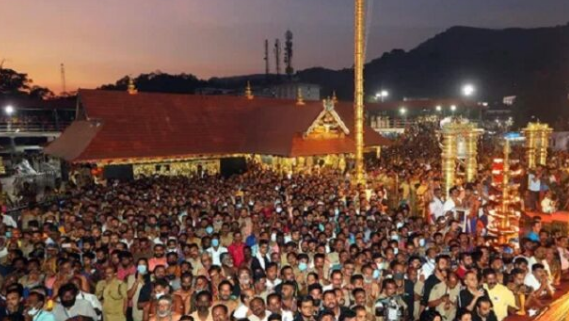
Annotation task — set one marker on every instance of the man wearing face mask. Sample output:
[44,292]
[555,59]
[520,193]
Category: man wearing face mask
[35,311]
[69,306]
[216,250]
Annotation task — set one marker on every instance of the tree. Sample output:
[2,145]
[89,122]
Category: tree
[38,92]
[13,82]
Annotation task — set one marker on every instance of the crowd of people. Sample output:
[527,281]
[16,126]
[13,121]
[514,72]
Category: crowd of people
[268,246]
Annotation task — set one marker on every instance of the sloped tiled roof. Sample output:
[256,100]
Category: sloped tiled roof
[120,126]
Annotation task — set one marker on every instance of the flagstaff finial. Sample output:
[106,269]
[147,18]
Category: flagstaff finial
[299,98]
[131,89]
[334,98]
[249,92]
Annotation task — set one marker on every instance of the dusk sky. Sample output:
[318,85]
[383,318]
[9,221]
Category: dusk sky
[102,40]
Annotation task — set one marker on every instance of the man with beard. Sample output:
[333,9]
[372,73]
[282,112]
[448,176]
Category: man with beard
[220,313]
[330,303]
[203,305]
[258,310]
[501,297]
[69,306]
[185,292]
[164,310]
[14,306]
[483,310]
[227,267]
[444,297]
[159,257]
[465,265]
[224,291]
[441,267]
[274,304]
[388,293]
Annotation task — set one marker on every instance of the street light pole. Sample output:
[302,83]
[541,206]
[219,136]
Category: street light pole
[359,17]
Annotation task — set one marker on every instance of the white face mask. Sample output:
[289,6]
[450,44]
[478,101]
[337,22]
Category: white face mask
[33,311]
[274,237]
[159,295]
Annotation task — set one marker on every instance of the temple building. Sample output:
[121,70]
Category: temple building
[136,133]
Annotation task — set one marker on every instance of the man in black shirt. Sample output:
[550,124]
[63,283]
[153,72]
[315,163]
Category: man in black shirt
[483,311]
[469,295]
[441,268]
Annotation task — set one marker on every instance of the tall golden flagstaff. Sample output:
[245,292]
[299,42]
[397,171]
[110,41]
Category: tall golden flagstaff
[359,45]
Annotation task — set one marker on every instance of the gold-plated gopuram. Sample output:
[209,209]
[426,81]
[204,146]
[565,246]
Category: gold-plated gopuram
[359,59]
[537,141]
[460,141]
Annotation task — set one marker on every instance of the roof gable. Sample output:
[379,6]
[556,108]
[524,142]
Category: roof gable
[328,124]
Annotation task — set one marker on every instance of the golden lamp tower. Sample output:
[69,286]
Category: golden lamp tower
[503,211]
[359,57]
[537,142]
[460,142]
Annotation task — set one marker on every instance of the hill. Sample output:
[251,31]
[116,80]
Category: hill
[530,63]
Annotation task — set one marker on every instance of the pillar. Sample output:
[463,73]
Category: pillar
[448,160]
[530,147]
[544,144]
[471,153]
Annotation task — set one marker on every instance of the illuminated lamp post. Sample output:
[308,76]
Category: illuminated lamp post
[537,142]
[382,95]
[359,57]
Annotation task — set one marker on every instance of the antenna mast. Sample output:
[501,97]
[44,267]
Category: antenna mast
[278,56]
[63,83]
[289,70]
[267,66]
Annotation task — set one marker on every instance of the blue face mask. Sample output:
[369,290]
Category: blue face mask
[422,242]
[215,242]
[142,269]
[302,266]
[8,234]
[376,274]
[209,230]
[321,227]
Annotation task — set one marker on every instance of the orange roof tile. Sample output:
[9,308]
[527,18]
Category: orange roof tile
[150,125]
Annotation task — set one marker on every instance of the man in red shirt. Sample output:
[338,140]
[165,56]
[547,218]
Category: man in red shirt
[159,257]
[465,265]
[126,267]
[236,249]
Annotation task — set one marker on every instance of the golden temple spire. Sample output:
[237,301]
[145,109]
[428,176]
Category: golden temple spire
[249,92]
[299,98]
[334,98]
[131,89]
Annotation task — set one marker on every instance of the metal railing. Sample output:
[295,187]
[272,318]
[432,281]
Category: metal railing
[14,127]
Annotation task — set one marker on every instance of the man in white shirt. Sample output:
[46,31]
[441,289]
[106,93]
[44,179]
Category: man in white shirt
[8,221]
[538,281]
[436,207]
[216,250]
[561,243]
[547,203]
[452,202]
[534,186]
